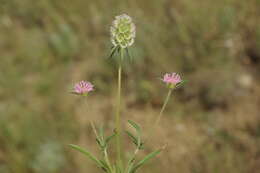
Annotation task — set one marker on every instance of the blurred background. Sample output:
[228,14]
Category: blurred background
[211,125]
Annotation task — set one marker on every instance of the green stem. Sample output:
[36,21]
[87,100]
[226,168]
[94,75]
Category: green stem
[118,106]
[107,160]
[131,160]
[105,150]
[163,107]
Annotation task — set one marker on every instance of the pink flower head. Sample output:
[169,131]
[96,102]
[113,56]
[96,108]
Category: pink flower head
[171,79]
[83,88]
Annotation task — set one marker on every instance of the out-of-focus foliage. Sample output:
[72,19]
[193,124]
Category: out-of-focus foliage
[211,125]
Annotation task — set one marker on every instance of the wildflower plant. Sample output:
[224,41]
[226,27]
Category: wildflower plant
[122,37]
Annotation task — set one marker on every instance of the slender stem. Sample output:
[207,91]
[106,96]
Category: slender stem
[105,154]
[107,160]
[105,149]
[163,107]
[118,108]
[131,160]
[94,128]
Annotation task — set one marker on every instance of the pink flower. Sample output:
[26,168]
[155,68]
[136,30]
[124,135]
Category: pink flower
[83,88]
[171,79]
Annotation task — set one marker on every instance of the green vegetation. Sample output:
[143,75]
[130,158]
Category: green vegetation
[211,125]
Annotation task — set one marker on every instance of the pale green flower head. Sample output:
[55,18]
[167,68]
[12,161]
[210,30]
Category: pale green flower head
[122,31]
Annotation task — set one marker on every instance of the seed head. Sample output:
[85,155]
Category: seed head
[122,31]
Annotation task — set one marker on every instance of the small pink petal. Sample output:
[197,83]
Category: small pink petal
[172,78]
[83,87]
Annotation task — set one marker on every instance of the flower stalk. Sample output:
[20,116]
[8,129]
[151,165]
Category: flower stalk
[163,107]
[172,81]
[118,109]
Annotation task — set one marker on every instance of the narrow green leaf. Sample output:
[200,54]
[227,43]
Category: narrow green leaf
[138,130]
[88,154]
[101,139]
[105,165]
[108,139]
[134,125]
[113,51]
[146,158]
[98,142]
[98,138]
[181,84]
[119,49]
[128,54]
[134,139]
[101,133]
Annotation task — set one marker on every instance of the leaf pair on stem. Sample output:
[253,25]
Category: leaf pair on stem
[105,164]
